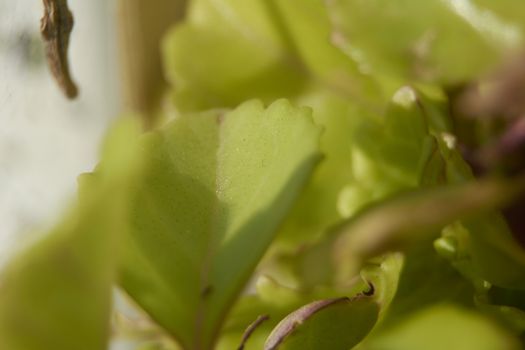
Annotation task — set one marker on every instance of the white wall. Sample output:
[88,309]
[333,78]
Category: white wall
[45,140]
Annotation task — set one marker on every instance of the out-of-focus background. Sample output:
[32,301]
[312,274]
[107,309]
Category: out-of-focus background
[46,140]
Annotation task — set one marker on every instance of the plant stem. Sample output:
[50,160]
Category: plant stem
[142,25]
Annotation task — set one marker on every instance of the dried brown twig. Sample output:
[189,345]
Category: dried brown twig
[56,27]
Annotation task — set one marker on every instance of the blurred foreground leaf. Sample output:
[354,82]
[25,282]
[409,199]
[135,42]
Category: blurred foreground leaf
[57,293]
[445,327]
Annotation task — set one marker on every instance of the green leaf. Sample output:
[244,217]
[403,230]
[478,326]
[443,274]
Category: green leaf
[229,51]
[503,305]
[337,324]
[386,225]
[277,301]
[273,300]
[394,152]
[384,275]
[443,41]
[494,254]
[157,346]
[399,143]
[506,16]
[316,208]
[407,282]
[432,159]
[216,188]
[425,279]
[445,327]
[483,248]
[367,157]
[57,293]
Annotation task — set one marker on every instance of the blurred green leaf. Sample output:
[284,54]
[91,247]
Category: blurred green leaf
[396,151]
[439,41]
[228,51]
[494,254]
[482,246]
[388,165]
[367,157]
[391,151]
[57,293]
[387,225]
[316,208]
[445,327]
[508,16]
[503,305]
[424,280]
[217,186]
